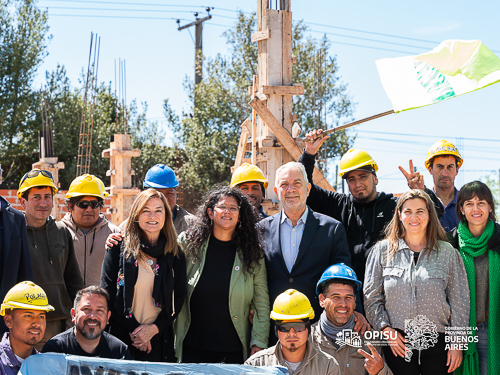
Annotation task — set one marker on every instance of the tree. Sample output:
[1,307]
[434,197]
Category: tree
[23,41]
[493,183]
[209,134]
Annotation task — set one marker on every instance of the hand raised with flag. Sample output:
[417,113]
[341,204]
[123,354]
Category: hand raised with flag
[314,140]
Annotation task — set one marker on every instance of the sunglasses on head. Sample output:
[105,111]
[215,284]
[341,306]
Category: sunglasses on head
[297,326]
[86,204]
[36,172]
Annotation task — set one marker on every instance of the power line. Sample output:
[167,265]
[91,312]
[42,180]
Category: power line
[238,11]
[124,3]
[124,10]
[371,32]
[423,135]
[125,17]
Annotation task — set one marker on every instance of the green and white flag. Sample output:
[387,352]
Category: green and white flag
[453,68]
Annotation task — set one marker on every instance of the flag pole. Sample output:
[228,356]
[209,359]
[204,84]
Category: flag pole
[357,122]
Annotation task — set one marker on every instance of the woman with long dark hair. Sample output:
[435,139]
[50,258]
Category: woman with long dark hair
[145,276]
[477,237]
[226,279]
[415,289]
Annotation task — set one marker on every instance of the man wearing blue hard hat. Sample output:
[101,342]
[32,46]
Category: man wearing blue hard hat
[334,332]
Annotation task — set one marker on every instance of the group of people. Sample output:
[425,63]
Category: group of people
[227,283]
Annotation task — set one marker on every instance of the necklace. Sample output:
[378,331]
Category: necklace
[147,259]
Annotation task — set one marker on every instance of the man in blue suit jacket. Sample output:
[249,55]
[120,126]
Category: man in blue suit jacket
[300,243]
[15,260]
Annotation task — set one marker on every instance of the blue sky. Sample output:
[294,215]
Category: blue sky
[158,58]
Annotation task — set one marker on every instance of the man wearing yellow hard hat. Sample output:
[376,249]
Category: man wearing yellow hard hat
[251,181]
[24,309]
[443,162]
[292,314]
[88,226]
[55,267]
[365,212]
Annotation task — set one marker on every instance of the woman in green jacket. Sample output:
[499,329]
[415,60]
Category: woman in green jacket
[227,278]
[477,237]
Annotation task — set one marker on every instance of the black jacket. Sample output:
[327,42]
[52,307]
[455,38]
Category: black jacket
[364,222]
[15,262]
[493,242]
[118,277]
[323,243]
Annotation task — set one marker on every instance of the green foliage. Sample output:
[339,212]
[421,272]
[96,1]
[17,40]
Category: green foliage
[148,137]
[23,42]
[210,133]
[493,183]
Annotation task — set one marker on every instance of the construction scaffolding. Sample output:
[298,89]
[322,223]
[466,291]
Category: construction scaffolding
[266,139]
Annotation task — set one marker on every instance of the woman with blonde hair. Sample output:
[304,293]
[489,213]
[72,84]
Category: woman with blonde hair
[415,279]
[145,276]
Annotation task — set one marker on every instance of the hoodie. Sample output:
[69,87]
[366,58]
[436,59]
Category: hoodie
[55,268]
[90,247]
[364,222]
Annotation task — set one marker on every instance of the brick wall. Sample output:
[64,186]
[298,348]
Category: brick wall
[10,196]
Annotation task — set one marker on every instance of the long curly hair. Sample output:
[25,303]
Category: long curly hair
[394,231]
[246,234]
[133,232]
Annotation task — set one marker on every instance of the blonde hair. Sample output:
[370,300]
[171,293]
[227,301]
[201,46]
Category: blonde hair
[133,232]
[394,231]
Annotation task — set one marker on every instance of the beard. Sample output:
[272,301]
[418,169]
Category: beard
[91,333]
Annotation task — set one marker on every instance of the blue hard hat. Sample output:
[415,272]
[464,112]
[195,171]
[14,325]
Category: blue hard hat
[338,271]
[160,177]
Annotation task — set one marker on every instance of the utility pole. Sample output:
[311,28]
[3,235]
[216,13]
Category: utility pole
[198,47]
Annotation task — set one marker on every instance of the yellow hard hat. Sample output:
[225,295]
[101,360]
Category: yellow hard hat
[26,295]
[87,184]
[248,173]
[292,305]
[356,159]
[443,148]
[36,178]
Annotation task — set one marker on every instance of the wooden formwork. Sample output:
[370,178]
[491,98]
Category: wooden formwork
[266,139]
[121,193]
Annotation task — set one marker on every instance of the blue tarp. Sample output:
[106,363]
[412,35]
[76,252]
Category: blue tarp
[62,364]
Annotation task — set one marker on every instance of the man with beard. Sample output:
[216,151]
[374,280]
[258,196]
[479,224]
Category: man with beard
[292,314]
[365,212]
[90,314]
[24,309]
[251,181]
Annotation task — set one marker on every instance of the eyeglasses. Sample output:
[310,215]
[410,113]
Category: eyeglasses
[297,326]
[36,172]
[86,204]
[231,209]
